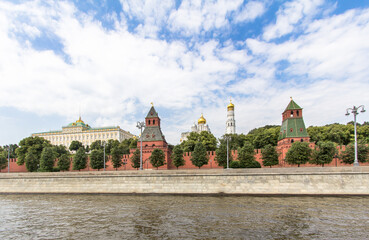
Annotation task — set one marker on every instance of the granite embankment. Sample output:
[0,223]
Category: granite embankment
[289,181]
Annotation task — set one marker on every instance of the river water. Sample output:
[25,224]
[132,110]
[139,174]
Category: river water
[182,217]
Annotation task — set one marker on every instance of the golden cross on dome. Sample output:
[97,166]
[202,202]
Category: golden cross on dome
[152,104]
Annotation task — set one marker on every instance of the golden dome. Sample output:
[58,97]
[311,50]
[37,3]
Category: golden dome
[79,120]
[201,120]
[230,105]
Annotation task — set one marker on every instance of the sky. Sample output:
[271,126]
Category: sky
[108,60]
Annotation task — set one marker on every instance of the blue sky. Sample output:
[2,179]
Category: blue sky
[109,59]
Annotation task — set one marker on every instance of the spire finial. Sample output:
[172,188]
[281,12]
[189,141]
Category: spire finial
[152,104]
[230,99]
[291,98]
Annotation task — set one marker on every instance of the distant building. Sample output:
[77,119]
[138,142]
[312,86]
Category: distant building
[201,126]
[79,131]
[231,122]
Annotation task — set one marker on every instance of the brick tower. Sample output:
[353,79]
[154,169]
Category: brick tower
[293,129]
[153,138]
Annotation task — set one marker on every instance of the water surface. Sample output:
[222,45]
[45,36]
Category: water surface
[182,217]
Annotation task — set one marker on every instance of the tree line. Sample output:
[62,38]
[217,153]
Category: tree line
[39,155]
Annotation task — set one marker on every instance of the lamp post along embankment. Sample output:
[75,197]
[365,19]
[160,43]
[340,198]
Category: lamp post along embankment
[354,110]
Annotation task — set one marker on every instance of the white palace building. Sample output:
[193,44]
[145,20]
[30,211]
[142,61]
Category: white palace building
[79,131]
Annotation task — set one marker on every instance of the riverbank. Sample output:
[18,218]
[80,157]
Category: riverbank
[273,181]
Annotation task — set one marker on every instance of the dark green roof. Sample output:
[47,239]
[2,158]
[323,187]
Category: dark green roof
[297,126]
[292,106]
[152,133]
[152,113]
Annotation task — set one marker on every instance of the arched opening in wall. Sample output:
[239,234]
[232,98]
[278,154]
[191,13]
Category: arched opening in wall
[292,140]
[146,145]
[149,122]
[153,145]
[297,113]
[302,140]
[291,113]
[153,121]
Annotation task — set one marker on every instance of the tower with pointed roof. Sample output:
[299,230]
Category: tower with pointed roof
[231,122]
[293,128]
[153,138]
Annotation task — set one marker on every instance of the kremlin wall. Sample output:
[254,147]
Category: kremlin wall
[292,129]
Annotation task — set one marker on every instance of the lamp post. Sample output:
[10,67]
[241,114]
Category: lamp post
[354,110]
[8,158]
[227,138]
[104,154]
[140,125]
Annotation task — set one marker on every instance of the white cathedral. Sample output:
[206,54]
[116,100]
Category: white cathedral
[202,126]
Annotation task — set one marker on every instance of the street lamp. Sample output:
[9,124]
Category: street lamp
[8,158]
[104,154]
[227,137]
[354,112]
[140,125]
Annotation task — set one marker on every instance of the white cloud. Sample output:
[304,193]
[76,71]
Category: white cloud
[250,11]
[195,16]
[289,15]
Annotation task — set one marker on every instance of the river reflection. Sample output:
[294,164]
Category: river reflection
[182,217]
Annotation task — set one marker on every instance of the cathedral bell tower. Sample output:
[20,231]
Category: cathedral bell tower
[231,123]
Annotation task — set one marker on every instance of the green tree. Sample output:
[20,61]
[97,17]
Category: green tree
[205,138]
[133,143]
[12,148]
[116,157]
[3,160]
[221,155]
[177,156]
[270,156]
[32,161]
[75,145]
[80,160]
[47,159]
[64,162]
[97,159]
[157,158]
[97,145]
[135,159]
[36,143]
[246,156]
[348,156]
[60,150]
[299,153]
[199,156]
[323,153]
[112,143]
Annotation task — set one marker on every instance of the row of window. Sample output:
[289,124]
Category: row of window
[83,137]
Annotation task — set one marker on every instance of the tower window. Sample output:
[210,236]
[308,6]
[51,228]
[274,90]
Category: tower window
[149,122]
[292,140]
[301,129]
[291,113]
[297,113]
[153,121]
[291,129]
[302,140]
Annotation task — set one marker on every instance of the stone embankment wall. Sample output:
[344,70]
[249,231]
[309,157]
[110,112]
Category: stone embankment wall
[295,181]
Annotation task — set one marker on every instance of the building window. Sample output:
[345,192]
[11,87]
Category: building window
[149,122]
[292,140]
[153,121]
[302,140]
[301,129]
[291,129]
[291,113]
[297,113]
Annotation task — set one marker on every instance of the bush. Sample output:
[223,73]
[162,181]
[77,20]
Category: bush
[235,164]
[251,164]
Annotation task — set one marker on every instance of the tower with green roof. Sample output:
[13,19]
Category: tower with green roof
[293,126]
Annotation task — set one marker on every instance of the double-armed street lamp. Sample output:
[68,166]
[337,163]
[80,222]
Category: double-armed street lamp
[227,137]
[8,158]
[104,153]
[354,111]
[140,125]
